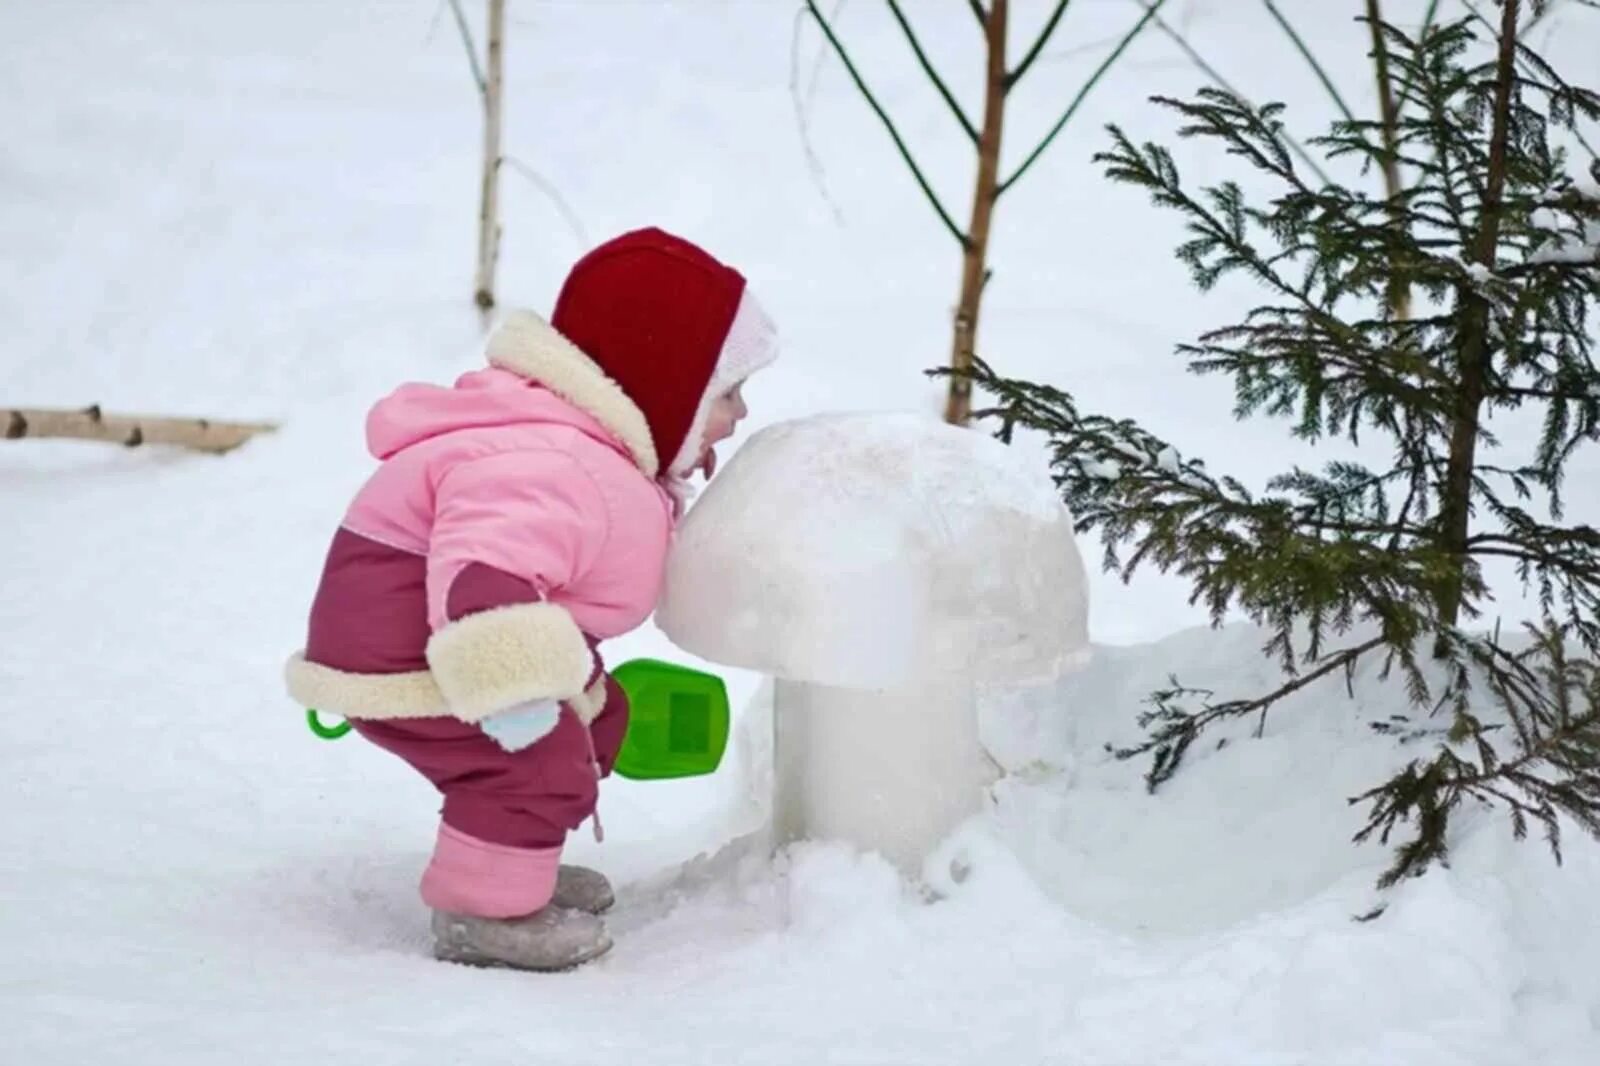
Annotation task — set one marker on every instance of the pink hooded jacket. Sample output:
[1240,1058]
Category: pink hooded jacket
[508,530]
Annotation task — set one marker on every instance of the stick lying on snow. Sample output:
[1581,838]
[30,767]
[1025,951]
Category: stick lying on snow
[90,423]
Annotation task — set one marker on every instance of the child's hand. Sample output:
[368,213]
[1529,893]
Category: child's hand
[517,727]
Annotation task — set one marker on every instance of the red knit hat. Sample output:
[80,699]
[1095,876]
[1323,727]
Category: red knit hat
[653,311]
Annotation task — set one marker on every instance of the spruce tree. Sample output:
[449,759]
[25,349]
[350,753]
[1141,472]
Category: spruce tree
[1499,244]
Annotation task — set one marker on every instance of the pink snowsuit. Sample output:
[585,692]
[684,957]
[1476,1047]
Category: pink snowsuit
[518,519]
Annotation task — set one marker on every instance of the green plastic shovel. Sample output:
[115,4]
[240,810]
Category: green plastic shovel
[677,721]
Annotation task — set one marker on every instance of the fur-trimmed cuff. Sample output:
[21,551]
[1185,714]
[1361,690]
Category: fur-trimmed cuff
[409,695]
[494,659]
[589,703]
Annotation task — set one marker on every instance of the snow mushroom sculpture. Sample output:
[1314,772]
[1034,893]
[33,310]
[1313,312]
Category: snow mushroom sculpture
[879,567]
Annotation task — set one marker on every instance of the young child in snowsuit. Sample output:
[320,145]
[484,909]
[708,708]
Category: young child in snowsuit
[517,519]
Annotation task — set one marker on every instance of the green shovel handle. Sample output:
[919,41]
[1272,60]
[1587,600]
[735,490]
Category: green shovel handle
[326,732]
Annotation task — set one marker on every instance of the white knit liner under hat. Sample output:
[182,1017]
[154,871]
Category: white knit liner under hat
[751,344]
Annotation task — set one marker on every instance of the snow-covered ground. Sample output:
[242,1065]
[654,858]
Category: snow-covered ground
[256,209]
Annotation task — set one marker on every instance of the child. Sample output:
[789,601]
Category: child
[517,519]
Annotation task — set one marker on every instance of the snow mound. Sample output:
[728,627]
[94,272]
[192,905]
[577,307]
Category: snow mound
[877,550]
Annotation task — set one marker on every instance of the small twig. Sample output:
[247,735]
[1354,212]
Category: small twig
[888,123]
[472,48]
[1038,45]
[982,15]
[548,188]
[1305,50]
[433,23]
[1540,13]
[822,53]
[1422,34]
[933,75]
[802,120]
[1083,93]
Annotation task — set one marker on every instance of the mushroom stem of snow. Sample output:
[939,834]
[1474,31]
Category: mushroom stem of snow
[893,771]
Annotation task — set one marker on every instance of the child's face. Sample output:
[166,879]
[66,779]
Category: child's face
[727,411]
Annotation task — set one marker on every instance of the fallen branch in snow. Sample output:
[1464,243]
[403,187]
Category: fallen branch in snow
[90,423]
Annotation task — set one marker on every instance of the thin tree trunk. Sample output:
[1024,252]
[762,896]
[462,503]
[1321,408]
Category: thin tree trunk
[489,202]
[90,423]
[1456,505]
[958,406]
[1399,291]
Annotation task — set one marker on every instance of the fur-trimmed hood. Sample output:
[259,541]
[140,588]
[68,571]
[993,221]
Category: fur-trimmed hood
[524,353]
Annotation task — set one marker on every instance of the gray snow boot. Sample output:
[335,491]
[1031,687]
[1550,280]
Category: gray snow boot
[583,889]
[555,938]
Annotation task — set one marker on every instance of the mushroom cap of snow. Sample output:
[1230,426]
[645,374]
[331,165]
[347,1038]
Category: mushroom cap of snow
[873,551]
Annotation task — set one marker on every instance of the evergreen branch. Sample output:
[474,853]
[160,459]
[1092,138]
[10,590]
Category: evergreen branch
[933,75]
[1573,553]
[1038,45]
[1422,34]
[1556,771]
[1577,134]
[1222,83]
[1176,729]
[1254,134]
[1083,94]
[888,124]
[1576,262]
[1215,234]
[978,11]
[1310,58]
[1580,584]
[1441,130]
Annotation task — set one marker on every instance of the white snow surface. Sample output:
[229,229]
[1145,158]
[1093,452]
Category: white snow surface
[877,550]
[243,209]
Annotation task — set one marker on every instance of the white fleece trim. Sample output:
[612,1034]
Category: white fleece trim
[689,454]
[497,658]
[526,344]
[751,345]
[588,705]
[381,697]
[409,695]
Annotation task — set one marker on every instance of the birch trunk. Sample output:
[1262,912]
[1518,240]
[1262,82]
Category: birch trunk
[489,202]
